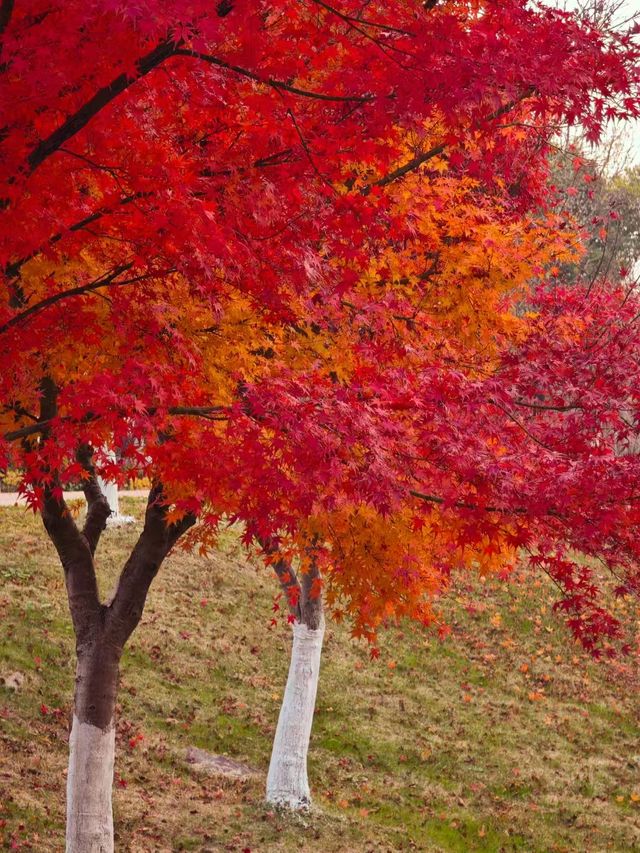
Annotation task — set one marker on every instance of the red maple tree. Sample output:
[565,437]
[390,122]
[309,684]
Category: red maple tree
[181,170]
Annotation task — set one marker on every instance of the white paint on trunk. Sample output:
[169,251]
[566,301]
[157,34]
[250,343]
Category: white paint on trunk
[287,782]
[89,788]
[110,491]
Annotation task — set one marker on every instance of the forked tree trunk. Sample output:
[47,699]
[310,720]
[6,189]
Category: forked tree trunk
[101,632]
[287,779]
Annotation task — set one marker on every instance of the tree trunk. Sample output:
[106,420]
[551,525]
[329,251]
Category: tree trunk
[110,491]
[92,749]
[101,632]
[287,781]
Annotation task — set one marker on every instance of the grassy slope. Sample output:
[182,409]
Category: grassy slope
[500,738]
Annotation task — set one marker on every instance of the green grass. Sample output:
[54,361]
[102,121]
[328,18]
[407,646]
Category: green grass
[503,737]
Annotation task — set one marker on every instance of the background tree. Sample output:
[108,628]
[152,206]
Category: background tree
[605,204]
[383,566]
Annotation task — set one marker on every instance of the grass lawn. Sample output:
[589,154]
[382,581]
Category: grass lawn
[503,737]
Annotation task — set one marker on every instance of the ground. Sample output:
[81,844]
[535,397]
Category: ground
[502,737]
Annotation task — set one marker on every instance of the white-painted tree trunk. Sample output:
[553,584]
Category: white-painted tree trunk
[89,788]
[110,491]
[287,781]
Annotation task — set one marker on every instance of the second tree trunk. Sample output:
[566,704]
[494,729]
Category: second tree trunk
[287,781]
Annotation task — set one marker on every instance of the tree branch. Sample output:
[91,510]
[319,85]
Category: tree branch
[307,151]
[77,561]
[434,499]
[542,408]
[419,159]
[210,413]
[153,545]
[464,505]
[303,602]
[98,510]
[106,280]
[269,81]
[13,268]
[287,577]
[6,10]
[73,549]
[92,107]
[363,22]
[311,607]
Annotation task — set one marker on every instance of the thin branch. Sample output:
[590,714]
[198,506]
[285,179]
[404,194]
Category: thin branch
[356,24]
[401,171]
[212,413]
[434,499]
[364,22]
[104,281]
[13,268]
[542,408]
[527,432]
[98,510]
[307,151]
[269,81]
[112,170]
[419,159]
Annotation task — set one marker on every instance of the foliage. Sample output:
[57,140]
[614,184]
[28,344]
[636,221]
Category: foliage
[270,253]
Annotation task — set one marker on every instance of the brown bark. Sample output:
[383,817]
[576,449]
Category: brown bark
[311,606]
[102,630]
[97,677]
[308,609]
[155,542]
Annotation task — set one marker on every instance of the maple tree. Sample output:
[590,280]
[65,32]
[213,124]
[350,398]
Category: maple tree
[378,566]
[198,215]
